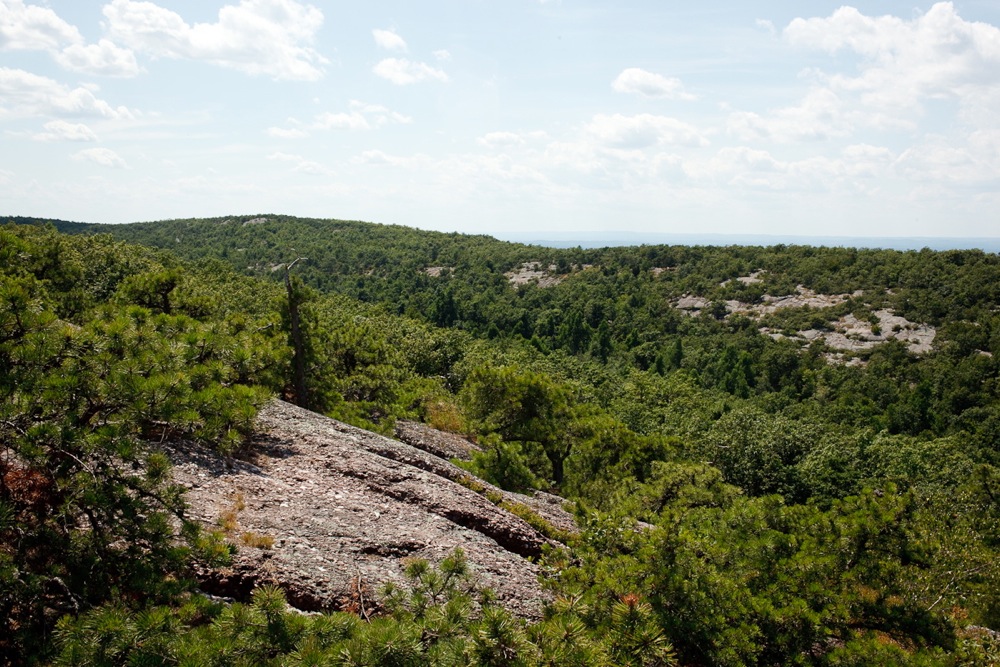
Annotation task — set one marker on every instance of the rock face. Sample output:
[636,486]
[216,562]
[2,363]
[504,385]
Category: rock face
[330,512]
[534,271]
[846,334]
[439,443]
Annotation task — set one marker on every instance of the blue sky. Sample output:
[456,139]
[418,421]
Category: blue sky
[508,116]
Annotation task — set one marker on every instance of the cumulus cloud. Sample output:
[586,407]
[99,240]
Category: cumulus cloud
[33,28]
[287,133]
[821,114]
[866,160]
[643,131]
[360,116]
[61,130]
[938,161]
[937,54]
[300,164]
[444,55]
[500,139]
[103,58]
[389,40]
[645,152]
[377,157]
[766,26]
[24,94]
[902,64]
[401,71]
[104,157]
[858,168]
[258,37]
[341,121]
[313,168]
[649,84]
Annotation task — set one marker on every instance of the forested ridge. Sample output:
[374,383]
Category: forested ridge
[782,455]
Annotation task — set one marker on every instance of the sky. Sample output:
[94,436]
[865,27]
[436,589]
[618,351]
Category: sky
[507,117]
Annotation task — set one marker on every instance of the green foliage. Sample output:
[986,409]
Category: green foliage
[520,510]
[502,464]
[522,406]
[760,453]
[744,500]
[89,511]
[753,581]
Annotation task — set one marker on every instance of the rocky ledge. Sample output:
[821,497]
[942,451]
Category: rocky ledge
[330,513]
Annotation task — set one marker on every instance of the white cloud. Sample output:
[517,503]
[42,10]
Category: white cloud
[301,164]
[903,64]
[822,114]
[935,55]
[104,157]
[361,116]
[389,40]
[648,84]
[767,26]
[284,157]
[866,160]
[378,157]
[342,121]
[378,115]
[314,168]
[859,168]
[103,58]
[500,139]
[444,55]
[938,161]
[24,94]
[401,71]
[739,165]
[643,131]
[60,130]
[257,37]
[33,28]
[287,133]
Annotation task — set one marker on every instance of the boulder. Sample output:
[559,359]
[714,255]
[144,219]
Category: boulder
[331,513]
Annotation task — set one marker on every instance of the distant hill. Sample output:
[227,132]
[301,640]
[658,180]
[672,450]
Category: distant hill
[613,238]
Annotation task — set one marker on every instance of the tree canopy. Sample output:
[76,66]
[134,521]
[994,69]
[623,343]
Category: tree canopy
[748,492]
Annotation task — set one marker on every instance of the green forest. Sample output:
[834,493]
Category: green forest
[784,455]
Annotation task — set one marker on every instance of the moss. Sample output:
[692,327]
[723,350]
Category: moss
[520,510]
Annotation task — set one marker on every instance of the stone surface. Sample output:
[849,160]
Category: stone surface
[433,441]
[534,272]
[844,335]
[345,508]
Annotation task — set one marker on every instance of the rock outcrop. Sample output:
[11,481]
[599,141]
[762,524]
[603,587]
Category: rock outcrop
[439,443]
[330,513]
